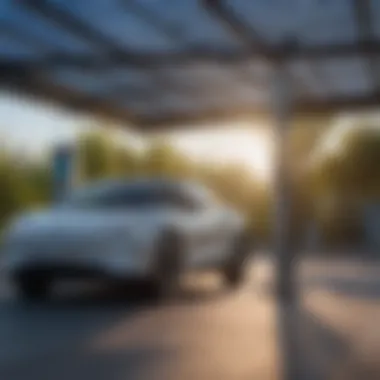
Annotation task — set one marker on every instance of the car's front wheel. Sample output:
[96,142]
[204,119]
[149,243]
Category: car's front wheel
[168,266]
[33,286]
[234,268]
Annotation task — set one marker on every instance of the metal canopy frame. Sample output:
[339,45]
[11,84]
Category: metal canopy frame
[35,74]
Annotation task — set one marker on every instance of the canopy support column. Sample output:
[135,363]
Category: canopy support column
[287,308]
[282,101]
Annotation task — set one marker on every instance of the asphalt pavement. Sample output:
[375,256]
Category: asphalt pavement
[116,333]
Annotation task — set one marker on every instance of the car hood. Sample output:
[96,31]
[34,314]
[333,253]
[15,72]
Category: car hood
[64,221]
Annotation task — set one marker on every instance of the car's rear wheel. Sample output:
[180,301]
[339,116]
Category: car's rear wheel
[168,266]
[234,268]
[33,286]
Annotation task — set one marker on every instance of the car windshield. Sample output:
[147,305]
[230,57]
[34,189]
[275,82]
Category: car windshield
[120,195]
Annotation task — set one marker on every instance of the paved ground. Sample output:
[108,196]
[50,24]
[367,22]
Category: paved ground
[345,297]
[100,333]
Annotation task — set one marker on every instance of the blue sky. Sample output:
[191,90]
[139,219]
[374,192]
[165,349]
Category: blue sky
[33,127]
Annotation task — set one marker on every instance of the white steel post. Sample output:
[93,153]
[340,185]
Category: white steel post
[282,108]
[288,313]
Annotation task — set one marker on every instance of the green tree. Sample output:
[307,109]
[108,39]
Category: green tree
[352,171]
[161,159]
[25,181]
[36,180]
[8,200]
[95,156]
[346,178]
[125,162]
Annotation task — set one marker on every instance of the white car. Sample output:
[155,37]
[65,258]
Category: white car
[148,228]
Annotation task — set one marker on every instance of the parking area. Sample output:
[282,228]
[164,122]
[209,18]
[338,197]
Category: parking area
[211,333]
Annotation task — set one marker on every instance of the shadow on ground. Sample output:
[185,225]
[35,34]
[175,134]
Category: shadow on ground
[52,340]
[310,348]
[64,330]
[323,354]
[358,287]
[359,360]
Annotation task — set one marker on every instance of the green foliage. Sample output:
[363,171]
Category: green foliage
[345,179]
[161,159]
[11,197]
[125,162]
[354,170]
[23,185]
[359,162]
[26,185]
[95,152]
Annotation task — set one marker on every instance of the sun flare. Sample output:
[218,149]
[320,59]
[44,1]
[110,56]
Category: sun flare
[251,148]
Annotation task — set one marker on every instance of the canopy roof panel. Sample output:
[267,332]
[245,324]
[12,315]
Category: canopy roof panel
[167,61]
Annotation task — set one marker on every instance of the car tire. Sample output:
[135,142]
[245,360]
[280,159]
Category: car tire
[168,267]
[33,286]
[234,268]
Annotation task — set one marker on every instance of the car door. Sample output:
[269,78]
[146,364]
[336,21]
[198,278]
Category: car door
[209,232]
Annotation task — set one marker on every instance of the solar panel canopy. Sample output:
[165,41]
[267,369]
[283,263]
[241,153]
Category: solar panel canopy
[161,62]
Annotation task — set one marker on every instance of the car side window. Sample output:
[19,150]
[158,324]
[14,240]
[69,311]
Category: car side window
[197,199]
[182,200]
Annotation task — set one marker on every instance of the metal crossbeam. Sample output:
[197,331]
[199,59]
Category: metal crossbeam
[109,55]
[303,107]
[252,38]
[175,33]
[364,22]
[114,52]
[368,48]
[363,18]
[247,34]
[17,77]
[28,40]
[28,82]
[79,28]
